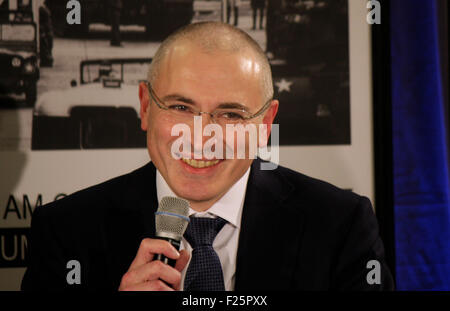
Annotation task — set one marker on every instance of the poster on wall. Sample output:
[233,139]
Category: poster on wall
[69,94]
[83,90]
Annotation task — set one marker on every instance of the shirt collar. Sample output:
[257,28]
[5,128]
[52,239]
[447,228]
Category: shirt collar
[228,207]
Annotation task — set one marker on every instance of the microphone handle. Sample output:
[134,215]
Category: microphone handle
[164,259]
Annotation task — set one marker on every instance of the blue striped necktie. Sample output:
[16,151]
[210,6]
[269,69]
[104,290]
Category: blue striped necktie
[205,271]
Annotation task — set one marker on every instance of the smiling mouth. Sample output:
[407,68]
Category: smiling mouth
[200,163]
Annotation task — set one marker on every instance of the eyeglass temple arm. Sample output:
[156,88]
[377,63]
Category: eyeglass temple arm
[261,111]
[154,97]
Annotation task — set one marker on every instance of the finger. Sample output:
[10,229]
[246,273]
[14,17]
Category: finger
[181,264]
[182,260]
[155,285]
[152,271]
[150,247]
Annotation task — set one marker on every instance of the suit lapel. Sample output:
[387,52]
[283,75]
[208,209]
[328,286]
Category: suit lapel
[131,219]
[270,233]
[269,239]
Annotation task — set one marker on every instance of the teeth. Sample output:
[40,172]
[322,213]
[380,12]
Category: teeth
[199,163]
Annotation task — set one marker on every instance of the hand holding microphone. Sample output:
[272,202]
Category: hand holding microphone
[158,263]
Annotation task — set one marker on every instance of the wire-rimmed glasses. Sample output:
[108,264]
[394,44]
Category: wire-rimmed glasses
[221,115]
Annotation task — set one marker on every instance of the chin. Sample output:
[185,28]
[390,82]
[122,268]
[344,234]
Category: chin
[196,194]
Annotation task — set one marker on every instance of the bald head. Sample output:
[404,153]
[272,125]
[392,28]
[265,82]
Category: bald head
[213,37]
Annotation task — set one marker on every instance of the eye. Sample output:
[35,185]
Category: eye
[180,107]
[231,115]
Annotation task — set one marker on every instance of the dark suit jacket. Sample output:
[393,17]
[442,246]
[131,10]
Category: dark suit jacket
[297,233]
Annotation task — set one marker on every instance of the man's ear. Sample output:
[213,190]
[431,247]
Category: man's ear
[145,105]
[268,120]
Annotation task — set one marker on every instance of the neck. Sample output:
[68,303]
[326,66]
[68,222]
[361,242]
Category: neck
[202,206]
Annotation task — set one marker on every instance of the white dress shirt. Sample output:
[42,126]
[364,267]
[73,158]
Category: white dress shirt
[229,207]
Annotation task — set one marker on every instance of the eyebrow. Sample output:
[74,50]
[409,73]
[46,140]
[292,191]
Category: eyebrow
[187,100]
[178,97]
[232,106]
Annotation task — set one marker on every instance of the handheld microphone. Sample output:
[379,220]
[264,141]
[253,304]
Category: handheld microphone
[171,220]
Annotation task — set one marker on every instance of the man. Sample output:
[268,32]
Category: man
[274,18]
[45,35]
[258,5]
[114,12]
[233,5]
[278,228]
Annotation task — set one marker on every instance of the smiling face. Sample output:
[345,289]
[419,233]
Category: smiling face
[206,80]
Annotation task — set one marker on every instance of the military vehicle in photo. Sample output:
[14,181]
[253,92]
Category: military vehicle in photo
[101,111]
[308,45]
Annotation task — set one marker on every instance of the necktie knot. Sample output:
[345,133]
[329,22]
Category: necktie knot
[203,231]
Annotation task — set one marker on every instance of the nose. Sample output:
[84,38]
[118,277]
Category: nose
[207,116]
[200,123]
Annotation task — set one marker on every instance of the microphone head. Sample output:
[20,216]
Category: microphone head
[172,218]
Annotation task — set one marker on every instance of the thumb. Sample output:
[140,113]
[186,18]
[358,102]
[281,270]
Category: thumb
[182,260]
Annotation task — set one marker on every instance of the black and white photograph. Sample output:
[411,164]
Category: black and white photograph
[70,74]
